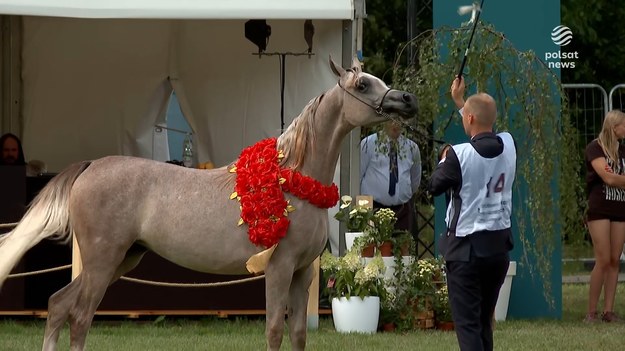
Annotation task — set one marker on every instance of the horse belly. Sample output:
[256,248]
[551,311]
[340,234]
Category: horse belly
[208,252]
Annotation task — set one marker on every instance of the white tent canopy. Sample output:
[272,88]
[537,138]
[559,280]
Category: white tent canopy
[182,9]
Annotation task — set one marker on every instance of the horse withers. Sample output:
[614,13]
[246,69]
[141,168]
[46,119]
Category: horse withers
[118,208]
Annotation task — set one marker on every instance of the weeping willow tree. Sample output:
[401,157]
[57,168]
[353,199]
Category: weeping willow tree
[531,104]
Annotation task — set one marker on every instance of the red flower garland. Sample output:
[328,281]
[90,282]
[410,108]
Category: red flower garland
[259,190]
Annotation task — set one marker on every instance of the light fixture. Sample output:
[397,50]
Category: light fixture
[258,32]
[309,32]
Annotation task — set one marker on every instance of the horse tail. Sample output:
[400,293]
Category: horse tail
[48,216]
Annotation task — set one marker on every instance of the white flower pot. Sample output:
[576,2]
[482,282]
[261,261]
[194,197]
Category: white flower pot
[501,309]
[350,237]
[389,263]
[356,315]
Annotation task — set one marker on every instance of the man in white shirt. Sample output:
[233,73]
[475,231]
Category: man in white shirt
[390,171]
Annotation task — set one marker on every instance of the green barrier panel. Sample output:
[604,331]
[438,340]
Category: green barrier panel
[528,25]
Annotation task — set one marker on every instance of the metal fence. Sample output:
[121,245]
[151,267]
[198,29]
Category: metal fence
[588,104]
[617,97]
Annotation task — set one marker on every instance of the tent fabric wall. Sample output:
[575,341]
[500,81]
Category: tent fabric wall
[96,87]
[85,80]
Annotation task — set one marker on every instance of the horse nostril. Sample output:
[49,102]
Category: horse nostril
[406,97]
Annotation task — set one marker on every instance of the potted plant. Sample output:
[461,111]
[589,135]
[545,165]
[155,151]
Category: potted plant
[415,284]
[355,289]
[364,244]
[356,216]
[442,309]
[403,243]
[389,312]
[382,230]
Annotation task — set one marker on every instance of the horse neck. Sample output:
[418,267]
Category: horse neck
[322,154]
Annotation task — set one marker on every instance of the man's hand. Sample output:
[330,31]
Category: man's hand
[457,91]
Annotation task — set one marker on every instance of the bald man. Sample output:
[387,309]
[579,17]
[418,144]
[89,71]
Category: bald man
[478,176]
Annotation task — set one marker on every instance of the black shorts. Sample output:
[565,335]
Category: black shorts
[593,216]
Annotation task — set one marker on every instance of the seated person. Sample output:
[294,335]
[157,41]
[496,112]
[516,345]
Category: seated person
[12,152]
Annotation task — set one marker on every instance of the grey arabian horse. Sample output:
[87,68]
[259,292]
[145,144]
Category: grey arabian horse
[120,207]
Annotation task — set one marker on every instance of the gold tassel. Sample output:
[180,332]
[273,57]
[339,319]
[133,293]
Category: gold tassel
[240,222]
[257,263]
[233,195]
[233,169]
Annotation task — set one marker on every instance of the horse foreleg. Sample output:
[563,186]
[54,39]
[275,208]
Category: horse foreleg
[298,307]
[276,286]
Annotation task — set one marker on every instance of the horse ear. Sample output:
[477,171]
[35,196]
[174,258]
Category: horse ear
[356,65]
[338,70]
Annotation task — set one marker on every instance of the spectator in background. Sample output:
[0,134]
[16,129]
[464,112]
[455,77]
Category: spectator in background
[390,171]
[12,152]
[605,188]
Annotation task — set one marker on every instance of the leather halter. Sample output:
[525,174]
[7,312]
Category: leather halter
[378,109]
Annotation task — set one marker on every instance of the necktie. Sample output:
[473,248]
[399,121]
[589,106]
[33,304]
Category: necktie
[392,168]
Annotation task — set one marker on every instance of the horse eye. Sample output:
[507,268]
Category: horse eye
[361,86]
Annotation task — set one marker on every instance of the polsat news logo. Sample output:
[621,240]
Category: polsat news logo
[561,36]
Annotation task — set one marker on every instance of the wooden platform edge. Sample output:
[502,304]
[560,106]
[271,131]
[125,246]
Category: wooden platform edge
[143,313]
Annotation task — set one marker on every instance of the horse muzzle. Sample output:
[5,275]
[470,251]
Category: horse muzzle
[401,103]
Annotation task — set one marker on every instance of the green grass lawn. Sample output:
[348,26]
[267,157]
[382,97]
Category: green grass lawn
[574,268]
[570,333]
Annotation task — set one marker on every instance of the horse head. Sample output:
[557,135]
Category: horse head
[369,99]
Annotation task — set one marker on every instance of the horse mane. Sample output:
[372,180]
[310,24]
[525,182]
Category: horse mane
[299,135]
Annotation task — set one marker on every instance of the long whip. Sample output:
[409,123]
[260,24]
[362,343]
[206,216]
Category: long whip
[466,53]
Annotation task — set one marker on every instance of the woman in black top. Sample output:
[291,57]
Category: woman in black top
[605,186]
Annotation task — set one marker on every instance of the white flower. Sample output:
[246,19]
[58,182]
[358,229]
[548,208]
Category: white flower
[346,201]
[352,261]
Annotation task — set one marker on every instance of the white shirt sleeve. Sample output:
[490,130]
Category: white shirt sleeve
[365,157]
[415,170]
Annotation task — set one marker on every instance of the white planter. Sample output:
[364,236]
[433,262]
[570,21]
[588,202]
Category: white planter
[356,315]
[389,263]
[350,237]
[501,309]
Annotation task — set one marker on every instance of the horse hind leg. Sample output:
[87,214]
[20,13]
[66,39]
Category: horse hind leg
[59,306]
[79,300]
[298,307]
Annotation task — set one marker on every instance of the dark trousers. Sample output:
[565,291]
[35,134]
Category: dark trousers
[473,291]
